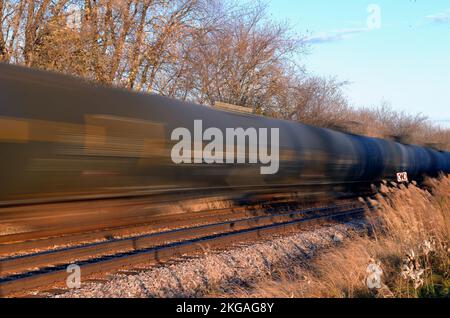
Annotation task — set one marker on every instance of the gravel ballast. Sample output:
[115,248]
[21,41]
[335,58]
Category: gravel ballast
[217,271]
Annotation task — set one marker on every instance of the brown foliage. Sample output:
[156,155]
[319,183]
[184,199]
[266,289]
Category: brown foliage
[198,50]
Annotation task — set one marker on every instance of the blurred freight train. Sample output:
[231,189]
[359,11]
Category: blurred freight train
[63,138]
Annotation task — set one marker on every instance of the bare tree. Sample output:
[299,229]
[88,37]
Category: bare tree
[197,50]
[240,61]
[316,101]
[2,39]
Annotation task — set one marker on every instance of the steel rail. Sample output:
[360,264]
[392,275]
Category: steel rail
[113,215]
[17,264]
[155,254]
[30,245]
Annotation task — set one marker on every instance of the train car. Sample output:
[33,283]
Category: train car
[65,138]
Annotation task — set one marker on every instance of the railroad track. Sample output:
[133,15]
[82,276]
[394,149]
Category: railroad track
[47,220]
[43,268]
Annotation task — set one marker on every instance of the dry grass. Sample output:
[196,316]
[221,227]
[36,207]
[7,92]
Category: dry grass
[408,240]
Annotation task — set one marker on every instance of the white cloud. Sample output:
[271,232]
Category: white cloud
[332,36]
[442,17]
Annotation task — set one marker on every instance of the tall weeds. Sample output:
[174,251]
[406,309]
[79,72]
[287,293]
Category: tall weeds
[407,246]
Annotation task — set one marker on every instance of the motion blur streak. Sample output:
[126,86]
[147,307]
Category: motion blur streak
[62,137]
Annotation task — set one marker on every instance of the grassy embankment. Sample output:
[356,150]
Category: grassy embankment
[408,241]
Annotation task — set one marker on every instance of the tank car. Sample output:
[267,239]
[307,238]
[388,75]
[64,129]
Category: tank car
[61,137]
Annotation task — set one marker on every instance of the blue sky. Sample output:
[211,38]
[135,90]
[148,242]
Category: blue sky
[404,59]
